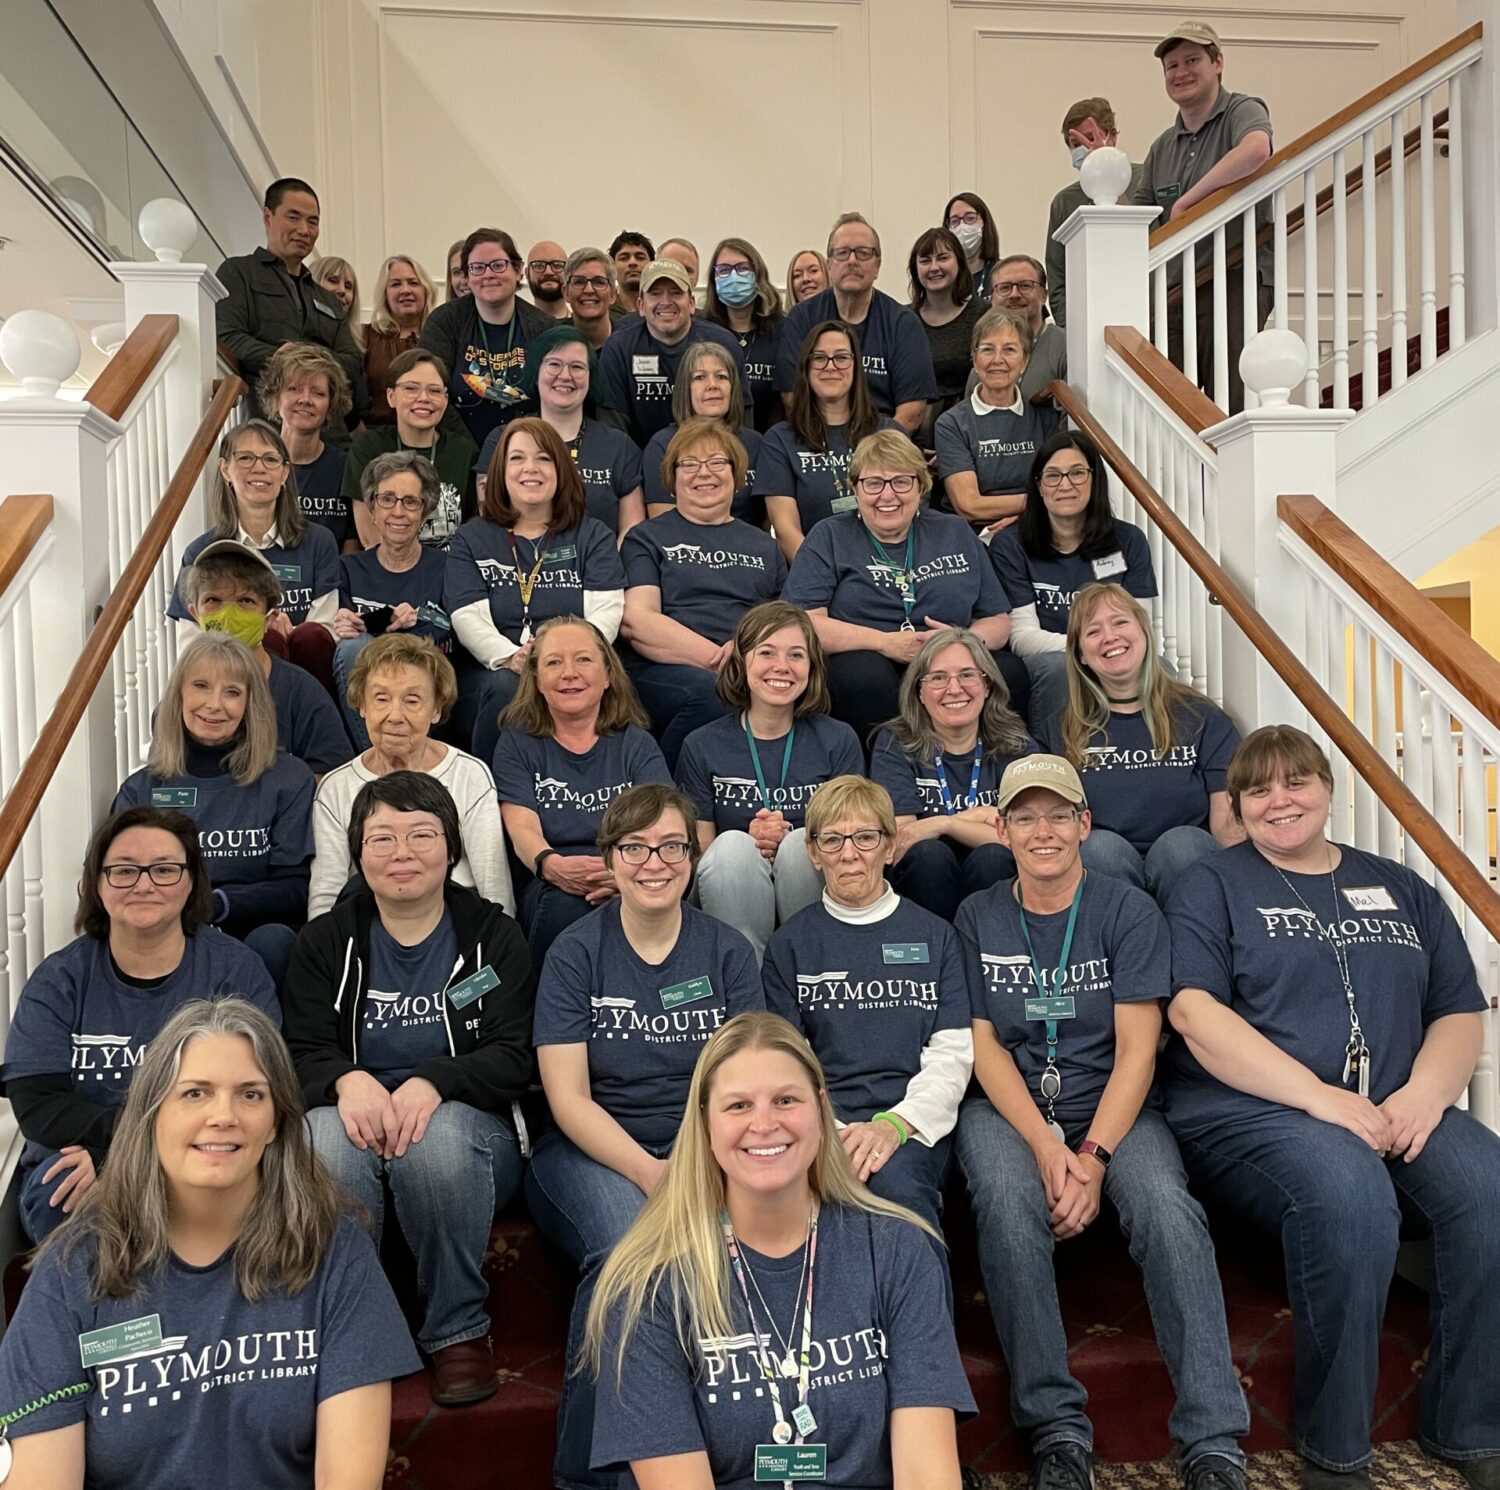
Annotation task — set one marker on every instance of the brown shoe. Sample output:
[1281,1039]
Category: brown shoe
[463,1373]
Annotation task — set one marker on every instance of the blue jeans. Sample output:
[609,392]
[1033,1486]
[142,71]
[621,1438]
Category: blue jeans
[1155,871]
[345,655]
[678,698]
[446,1190]
[913,1176]
[741,887]
[39,1219]
[546,912]
[482,694]
[939,874]
[1048,672]
[273,944]
[1169,1242]
[1338,1207]
[584,1208]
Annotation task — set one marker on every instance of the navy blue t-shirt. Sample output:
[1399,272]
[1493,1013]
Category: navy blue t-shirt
[709,576]
[714,769]
[996,448]
[892,345]
[817,480]
[1257,940]
[882,1339]
[308,725]
[637,373]
[365,584]
[1133,793]
[481,566]
[758,358]
[569,792]
[231,1384]
[402,1020]
[746,506]
[867,997]
[320,486]
[644,1024]
[307,570]
[838,569]
[1052,582]
[913,782]
[608,460]
[1121,954]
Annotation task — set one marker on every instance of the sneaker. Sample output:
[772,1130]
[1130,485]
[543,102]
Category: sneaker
[1315,1477]
[1481,1474]
[1215,1472]
[1065,1466]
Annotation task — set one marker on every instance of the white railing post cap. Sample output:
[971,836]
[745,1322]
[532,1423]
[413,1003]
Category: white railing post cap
[41,349]
[1105,175]
[168,229]
[1272,364]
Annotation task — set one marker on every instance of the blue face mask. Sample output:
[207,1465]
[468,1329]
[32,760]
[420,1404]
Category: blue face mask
[1078,154]
[735,289]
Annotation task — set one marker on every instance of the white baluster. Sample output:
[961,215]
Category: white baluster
[30,856]
[1249,306]
[1444,803]
[13,749]
[1369,319]
[1340,284]
[1476,817]
[1188,260]
[1159,309]
[1312,392]
[1416,763]
[1366,805]
[1398,251]
[1280,318]
[1221,321]
[1456,243]
[1335,649]
[1383,737]
[1428,286]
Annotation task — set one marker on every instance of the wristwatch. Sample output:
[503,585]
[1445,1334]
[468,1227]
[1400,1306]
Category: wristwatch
[1102,1154]
[541,858]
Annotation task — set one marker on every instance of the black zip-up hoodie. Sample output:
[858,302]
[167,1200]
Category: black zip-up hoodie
[490,1059]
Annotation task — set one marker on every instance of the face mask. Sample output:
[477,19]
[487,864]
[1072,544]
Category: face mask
[1078,154]
[248,626]
[736,289]
[969,236]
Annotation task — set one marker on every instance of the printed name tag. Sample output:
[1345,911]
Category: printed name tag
[327,310]
[843,504]
[904,951]
[1108,565]
[476,985]
[174,796]
[1370,898]
[687,993]
[562,555]
[1052,1008]
[646,367]
[804,1461]
[288,573]
[1166,194]
[434,615]
[119,1342]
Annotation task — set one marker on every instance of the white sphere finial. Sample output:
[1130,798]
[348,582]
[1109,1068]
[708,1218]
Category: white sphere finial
[41,349]
[168,229]
[1105,175]
[1272,364]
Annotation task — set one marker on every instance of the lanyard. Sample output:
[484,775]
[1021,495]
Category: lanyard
[576,443]
[427,452]
[526,583]
[1051,1082]
[972,800]
[760,777]
[906,586]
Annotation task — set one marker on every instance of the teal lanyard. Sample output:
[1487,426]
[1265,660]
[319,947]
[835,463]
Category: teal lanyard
[1051,1082]
[760,776]
[906,585]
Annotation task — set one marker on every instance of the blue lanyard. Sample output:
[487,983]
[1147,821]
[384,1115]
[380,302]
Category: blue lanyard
[786,760]
[972,800]
[1051,1082]
[906,585]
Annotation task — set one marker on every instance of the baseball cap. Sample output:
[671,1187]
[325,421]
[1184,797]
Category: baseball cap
[666,269]
[1050,772]
[221,546]
[1196,31]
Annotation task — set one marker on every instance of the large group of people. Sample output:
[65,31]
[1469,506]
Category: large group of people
[706,772]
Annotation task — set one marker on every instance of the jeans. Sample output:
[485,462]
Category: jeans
[482,694]
[584,1208]
[939,874]
[546,912]
[1048,672]
[1338,1207]
[446,1190]
[1169,1242]
[741,887]
[345,655]
[679,699]
[913,1176]
[1158,869]
[273,944]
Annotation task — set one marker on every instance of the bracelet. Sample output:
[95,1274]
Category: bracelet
[902,1132]
[1096,1150]
[541,858]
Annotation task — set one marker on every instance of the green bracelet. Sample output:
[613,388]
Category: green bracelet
[902,1132]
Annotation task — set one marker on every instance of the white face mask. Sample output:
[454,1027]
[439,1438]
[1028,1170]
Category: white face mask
[1078,154]
[969,236]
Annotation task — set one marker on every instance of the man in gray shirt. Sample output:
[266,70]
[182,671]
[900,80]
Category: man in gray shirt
[1219,139]
[1018,283]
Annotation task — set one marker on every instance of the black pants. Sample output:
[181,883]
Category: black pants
[1235,340]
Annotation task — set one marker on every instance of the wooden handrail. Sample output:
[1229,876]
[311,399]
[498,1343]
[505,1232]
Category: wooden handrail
[25,795]
[23,520]
[1320,132]
[1446,857]
[125,374]
[1191,405]
[1440,639]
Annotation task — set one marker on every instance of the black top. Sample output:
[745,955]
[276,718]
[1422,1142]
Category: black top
[266,306]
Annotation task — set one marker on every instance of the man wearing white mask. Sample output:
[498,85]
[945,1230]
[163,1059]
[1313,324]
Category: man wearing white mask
[1088,125]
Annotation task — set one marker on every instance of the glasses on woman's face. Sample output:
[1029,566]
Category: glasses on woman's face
[964,220]
[419,841]
[968,677]
[126,876]
[872,486]
[841,360]
[723,271]
[1024,821]
[388,501]
[717,464]
[1077,477]
[588,282]
[673,851]
[866,840]
[493,266]
[246,460]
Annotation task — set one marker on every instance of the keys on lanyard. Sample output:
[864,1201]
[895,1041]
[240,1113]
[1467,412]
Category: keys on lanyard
[972,799]
[903,579]
[1050,1004]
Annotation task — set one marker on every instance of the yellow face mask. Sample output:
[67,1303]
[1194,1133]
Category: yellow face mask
[244,625]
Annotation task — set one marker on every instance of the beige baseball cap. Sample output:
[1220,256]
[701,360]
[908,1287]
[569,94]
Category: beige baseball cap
[234,547]
[1197,31]
[668,269]
[1050,772]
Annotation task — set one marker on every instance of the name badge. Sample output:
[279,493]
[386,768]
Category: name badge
[327,310]
[1109,564]
[288,573]
[1060,1007]
[1370,898]
[1165,194]
[904,951]
[802,1461]
[476,985]
[434,615]
[687,993]
[119,1342]
[842,504]
[174,796]
[646,367]
[562,555]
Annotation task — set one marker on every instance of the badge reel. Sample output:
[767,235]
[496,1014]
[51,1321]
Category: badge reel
[1051,1090]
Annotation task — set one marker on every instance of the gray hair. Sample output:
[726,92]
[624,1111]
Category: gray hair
[844,219]
[393,463]
[589,256]
[256,752]
[997,320]
[1001,730]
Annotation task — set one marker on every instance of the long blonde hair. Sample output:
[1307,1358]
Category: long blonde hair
[381,319]
[676,1243]
[227,655]
[1162,696]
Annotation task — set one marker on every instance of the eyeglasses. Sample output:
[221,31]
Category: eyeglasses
[388,501]
[841,360]
[1078,476]
[419,841]
[1024,822]
[415,390]
[673,851]
[244,461]
[588,282]
[864,253]
[487,266]
[557,365]
[964,220]
[717,464]
[1011,286]
[968,677]
[125,876]
[872,486]
[555,265]
[723,271]
[866,840]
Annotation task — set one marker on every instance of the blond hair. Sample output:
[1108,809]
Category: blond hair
[618,708]
[256,753]
[381,319]
[849,796]
[402,649]
[293,361]
[890,450]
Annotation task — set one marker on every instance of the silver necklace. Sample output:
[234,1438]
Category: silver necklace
[788,1363]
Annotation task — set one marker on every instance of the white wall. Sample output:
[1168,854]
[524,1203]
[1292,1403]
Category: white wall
[570,119]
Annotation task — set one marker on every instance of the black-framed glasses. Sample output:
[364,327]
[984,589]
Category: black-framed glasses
[673,851]
[902,485]
[419,841]
[690,465]
[864,253]
[588,282]
[723,271]
[866,840]
[1077,476]
[245,460]
[965,220]
[487,266]
[127,876]
[1010,286]
[841,360]
[388,501]
[555,265]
